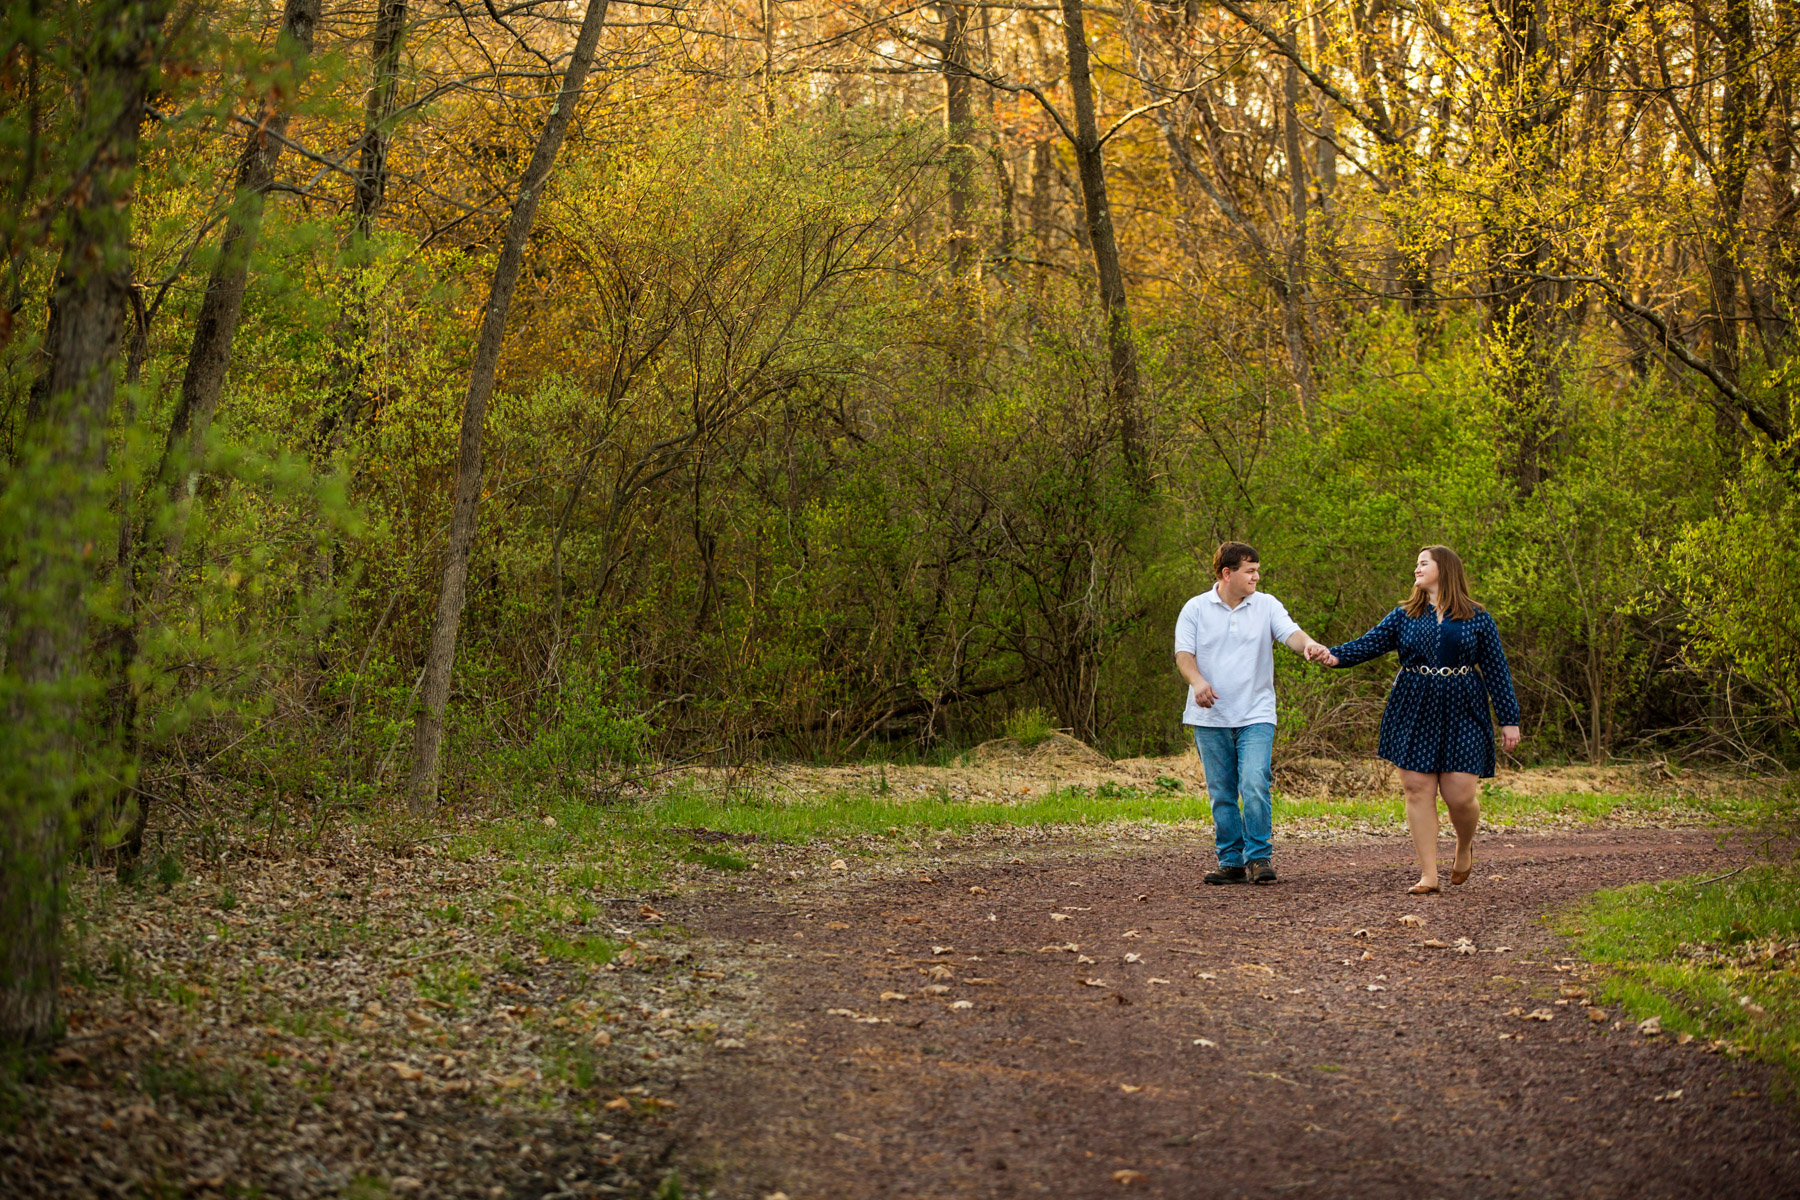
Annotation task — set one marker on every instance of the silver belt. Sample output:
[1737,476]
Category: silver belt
[1440,670]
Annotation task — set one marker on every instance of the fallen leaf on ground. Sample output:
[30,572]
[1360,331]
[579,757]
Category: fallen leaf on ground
[1134,958]
[618,1104]
[1573,993]
[941,972]
[837,924]
[943,949]
[408,1073]
[1464,946]
[1650,1026]
[1206,1042]
[1071,947]
[1128,1178]
[1205,975]
[978,891]
[1361,933]
[1434,944]
[1597,1014]
[1144,899]
[980,982]
[1409,919]
[648,913]
[1130,1087]
[838,864]
[893,996]
[1059,916]
[1667,1096]
[1129,933]
[1094,982]
[1082,958]
[1540,1014]
[1682,1039]
[1154,979]
[962,1004]
[603,1038]
[1376,987]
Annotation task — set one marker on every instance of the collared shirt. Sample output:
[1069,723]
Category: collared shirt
[1235,648]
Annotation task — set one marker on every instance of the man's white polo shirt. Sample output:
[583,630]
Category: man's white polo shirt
[1235,648]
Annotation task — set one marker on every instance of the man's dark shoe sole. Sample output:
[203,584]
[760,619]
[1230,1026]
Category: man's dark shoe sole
[1262,872]
[1228,875]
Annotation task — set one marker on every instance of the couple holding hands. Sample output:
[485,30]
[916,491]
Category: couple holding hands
[1436,727]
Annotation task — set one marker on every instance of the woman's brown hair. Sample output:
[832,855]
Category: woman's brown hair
[1453,588]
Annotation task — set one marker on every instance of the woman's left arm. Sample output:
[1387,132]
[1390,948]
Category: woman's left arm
[1498,678]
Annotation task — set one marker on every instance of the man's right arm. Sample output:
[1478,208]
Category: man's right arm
[1189,666]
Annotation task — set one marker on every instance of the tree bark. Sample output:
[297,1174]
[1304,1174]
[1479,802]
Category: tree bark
[209,354]
[1091,166]
[959,132]
[1294,291]
[440,658]
[66,446]
[1731,168]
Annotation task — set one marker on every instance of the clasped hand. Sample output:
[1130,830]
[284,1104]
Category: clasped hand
[1315,652]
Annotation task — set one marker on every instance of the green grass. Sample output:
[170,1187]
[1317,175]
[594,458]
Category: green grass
[1030,727]
[1715,959]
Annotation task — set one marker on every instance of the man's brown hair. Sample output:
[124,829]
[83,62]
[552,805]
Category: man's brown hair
[1454,600]
[1231,555]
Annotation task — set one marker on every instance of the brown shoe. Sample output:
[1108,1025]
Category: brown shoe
[1462,876]
[1421,889]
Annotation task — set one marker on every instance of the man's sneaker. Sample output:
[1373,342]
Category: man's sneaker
[1228,875]
[1261,871]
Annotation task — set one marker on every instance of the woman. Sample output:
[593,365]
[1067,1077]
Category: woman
[1436,726]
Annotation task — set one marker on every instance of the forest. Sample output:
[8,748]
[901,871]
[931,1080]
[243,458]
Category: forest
[423,404]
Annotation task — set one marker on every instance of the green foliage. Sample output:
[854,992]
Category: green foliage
[1029,727]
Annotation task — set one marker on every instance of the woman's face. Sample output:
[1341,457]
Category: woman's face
[1425,574]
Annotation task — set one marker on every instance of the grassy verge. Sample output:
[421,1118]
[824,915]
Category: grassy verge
[632,845]
[1718,958]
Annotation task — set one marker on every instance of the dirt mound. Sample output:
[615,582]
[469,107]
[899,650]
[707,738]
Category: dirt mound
[1057,754]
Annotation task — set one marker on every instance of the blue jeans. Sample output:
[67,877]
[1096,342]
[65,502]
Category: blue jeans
[1237,767]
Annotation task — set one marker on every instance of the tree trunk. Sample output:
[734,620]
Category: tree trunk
[1091,165]
[440,658]
[65,445]
[1724,241]
[959,132]
[1293,293]
[209,354]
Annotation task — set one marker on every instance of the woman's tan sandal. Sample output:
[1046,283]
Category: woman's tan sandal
[1422,889]
[1462,876]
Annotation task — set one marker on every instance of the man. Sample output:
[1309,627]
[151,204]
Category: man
[1224,648]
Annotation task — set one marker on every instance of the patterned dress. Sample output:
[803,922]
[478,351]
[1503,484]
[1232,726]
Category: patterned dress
[1437,713]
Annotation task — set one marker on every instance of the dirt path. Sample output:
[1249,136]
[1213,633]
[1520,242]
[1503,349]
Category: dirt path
[1333,1063]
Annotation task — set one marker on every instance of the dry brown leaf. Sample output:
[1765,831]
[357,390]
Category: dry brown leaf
[943,949]
[649,914]
[1361,933]
[1131,958]
[1409,919]
[941,971]
[1668,1097]
[618,1104]
[1130,1087]
[1129,1178]
[838,864]
[935,989]
[1434,944]
[1208,1043]
[1059,916]
[1154,979]
[1573,993]
[1094,982]
[409,1073]
[978,891]
[831,925]
[962,1004]
[603,1038]
[1598,1014]
[1129,933]
[1540,1014]
[894,996]
[1650,1026]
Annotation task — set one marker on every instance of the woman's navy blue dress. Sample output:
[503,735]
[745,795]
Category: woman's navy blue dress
[1439,722]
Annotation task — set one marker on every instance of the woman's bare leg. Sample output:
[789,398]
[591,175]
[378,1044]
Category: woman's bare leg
[1422,819]
[1462,796]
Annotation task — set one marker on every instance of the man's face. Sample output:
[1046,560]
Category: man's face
[1242,580]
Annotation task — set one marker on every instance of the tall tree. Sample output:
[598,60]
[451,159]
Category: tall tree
[959,133]
[440,657]
[1090,162]
[59,482]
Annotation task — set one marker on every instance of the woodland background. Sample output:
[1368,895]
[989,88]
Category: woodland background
[445,402]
